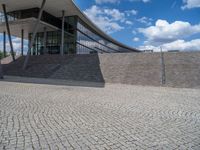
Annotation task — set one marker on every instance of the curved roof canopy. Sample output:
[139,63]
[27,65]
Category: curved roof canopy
[55,8]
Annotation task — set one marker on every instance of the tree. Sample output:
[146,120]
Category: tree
[1,55]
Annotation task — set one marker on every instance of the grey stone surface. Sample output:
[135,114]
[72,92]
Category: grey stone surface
[181,69]
[36,116]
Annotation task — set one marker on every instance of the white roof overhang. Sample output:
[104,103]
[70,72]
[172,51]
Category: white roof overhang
[55,7]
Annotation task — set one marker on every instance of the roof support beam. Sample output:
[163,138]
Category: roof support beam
[8,31]
[22,42]
[4,44]
[34,34]
[63,33]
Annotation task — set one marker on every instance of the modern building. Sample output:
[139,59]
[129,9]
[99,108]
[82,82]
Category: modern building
[54,27]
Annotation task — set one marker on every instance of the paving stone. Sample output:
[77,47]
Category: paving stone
[36,116]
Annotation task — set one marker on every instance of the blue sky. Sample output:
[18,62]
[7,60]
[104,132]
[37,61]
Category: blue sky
[144,24]
[148,24]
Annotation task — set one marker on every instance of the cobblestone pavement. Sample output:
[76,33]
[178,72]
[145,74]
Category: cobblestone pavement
[34,116]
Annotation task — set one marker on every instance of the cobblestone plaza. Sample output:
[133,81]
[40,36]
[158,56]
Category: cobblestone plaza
[38,116]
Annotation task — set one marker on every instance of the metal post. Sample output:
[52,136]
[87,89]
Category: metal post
[163,74]
[4,44]
[34,34]
[22,42]
[8,31]
[29,39]
[45,40]
[63,33]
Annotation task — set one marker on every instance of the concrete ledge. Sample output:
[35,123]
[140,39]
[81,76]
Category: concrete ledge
[52,81]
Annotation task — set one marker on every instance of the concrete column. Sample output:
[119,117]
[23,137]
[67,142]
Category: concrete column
[45,40]
[8,31]
[4,44]
[34,34]
[63,33]
[22,42]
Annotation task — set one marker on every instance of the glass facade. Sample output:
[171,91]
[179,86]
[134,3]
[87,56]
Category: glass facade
[79,38]
[53,39]
[89,42]
[53,43]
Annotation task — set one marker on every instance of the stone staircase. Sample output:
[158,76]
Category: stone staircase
[39,66]
[81,68]
[182,69]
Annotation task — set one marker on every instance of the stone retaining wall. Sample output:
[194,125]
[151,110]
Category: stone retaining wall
[180,69]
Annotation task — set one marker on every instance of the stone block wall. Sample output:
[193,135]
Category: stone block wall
[181,69]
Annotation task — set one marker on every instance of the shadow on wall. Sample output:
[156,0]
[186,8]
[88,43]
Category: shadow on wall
[72,70]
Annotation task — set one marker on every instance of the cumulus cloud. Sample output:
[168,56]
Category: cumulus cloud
[189,4]
[131,12]
[193,45]
[164,32]
[145,20]
[129,22]
[109,20]
[181,45]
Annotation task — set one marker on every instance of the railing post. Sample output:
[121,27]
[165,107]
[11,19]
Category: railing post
[34,34]
[22,42]
[8,31]
[4,44]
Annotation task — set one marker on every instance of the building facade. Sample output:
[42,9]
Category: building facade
[58,31]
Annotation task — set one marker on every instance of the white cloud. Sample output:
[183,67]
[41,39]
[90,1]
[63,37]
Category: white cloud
[114,13]
[145,20]
[145,1]
[129,22]
[106,19]
[193,45]
[109,20]
[164,32]
[181,45]
[131,12]
[189,4]
[136,39]
[16,45]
